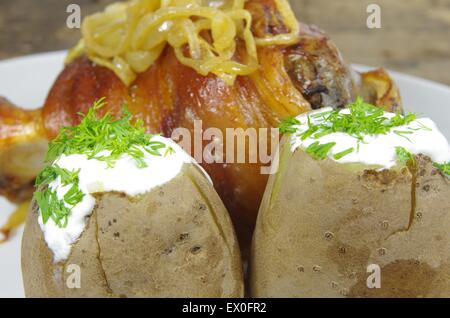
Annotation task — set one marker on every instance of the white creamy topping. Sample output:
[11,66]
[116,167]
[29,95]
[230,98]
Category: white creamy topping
[379,150]
[96,177]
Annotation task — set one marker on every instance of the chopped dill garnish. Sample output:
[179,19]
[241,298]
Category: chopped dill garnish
[342,154]
[358,120]
[321,114]
[444,168]
[309,132]
[169,151]
[74,195]
[403,155]
[47,175]
[402,133]
[287,125]
[318,150]
[51,172]
[52,207]
[47,199]
[424,127]
[362,119]
[106,139]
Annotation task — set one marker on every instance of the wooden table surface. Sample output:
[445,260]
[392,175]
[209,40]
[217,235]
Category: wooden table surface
[414,38]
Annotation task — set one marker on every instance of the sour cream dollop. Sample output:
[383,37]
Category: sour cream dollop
[95,177]
[423,137]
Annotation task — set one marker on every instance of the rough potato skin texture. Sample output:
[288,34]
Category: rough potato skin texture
[322,223]
[175,241]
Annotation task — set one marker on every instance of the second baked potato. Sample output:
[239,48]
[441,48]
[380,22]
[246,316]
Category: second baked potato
[331,218]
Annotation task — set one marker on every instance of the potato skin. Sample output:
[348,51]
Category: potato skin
[322,223]
[175,241]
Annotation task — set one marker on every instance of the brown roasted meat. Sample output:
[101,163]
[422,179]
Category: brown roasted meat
[290,80]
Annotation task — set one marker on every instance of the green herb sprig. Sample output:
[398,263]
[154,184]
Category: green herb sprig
[47,199]
[104,138]
[361,120]
[403,155]
[287,125]
[342,154]
[52,207]
[444,168]
[318,150]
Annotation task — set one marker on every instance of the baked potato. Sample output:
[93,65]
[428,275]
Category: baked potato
[175,240]
[338,228]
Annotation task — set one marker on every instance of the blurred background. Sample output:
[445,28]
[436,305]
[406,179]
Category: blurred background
[414,38]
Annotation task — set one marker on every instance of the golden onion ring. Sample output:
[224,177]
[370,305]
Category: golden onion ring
[129,36]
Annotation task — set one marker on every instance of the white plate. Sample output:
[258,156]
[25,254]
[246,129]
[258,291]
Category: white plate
[26,81]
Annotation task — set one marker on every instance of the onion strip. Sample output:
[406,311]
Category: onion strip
[128,37]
